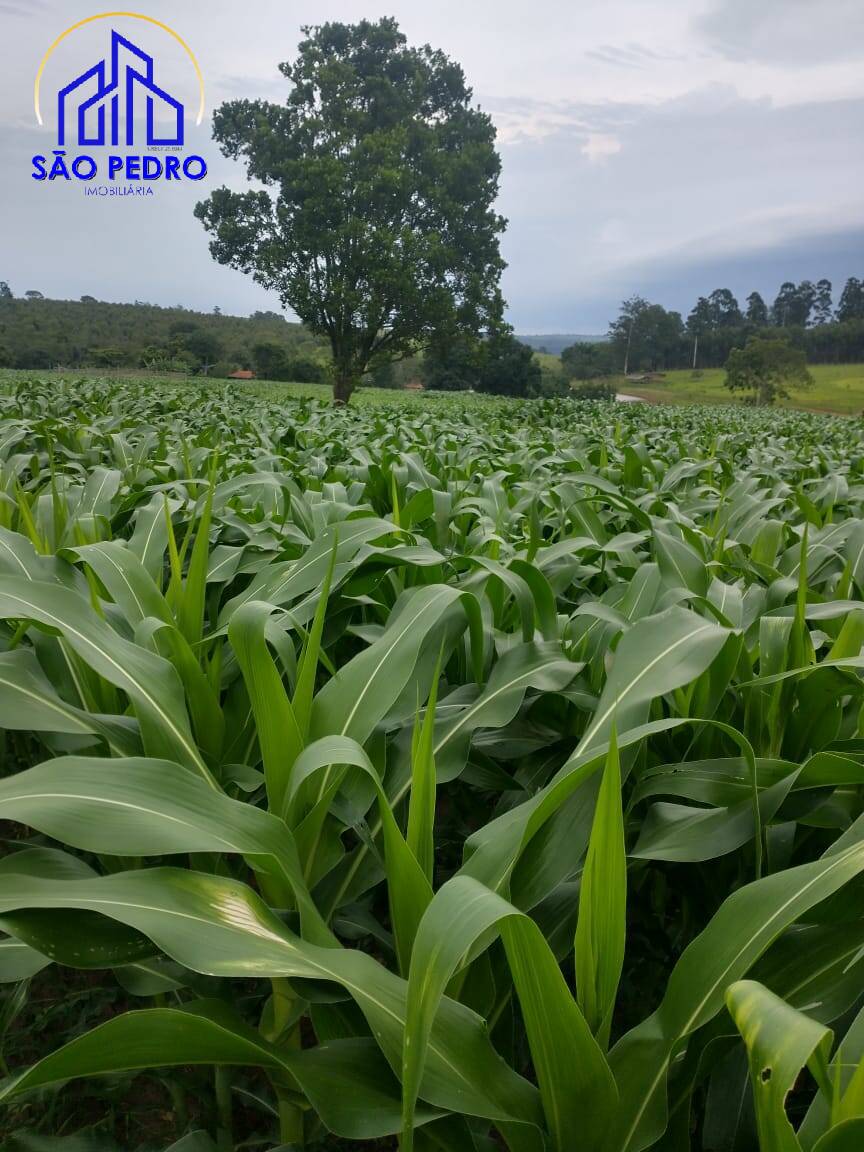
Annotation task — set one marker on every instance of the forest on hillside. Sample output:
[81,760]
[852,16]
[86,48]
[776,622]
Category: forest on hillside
[39,333]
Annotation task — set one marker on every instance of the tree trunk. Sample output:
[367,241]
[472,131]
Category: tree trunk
[346,371]
[695,349]
[343,386]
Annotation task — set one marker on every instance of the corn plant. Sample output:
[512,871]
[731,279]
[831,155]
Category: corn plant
[450,774]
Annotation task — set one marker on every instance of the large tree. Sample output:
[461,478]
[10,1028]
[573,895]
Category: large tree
[793,304]
[766,367]
[699,322]
[376,222]
[587,360]
[757,311]
[725,312]
[625,331]
[646,335]
[851,306]
[823,304]
[507,366]
[452,364]
[785,304]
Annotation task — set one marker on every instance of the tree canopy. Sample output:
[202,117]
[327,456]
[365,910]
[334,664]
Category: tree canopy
[376,222]
[766,367]
[500,364]
[851,306]
[757,310]
[645,334]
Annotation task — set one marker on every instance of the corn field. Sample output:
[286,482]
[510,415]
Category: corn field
[434,775]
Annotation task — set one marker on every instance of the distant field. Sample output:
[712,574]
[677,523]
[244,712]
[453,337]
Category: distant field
[266,389]
[838,388]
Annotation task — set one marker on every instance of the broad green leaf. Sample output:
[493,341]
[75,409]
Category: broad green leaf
[279,734]
[28,702]
[657,655]
[149,681]
[152,807]
[126,580]
[746,924]
[844,1137]
[347,1082]
[190,617]
[221,928]
[780,1041]
[420,832]
[361,693]
[409,888]
[601,928]
[286,582]
[576,1086]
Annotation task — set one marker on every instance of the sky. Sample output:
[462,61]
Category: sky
[666,147]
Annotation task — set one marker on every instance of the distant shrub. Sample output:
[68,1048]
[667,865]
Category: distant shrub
[766,368]
[584,361]
[306,370]
[382,376]
[109,357]
[593,390]
[272,362]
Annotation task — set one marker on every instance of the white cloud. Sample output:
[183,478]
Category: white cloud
[599,146]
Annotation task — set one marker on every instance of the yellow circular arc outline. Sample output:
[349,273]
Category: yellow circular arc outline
[107,16]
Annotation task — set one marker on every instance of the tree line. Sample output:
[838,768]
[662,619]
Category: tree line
[649,337]
[36,332]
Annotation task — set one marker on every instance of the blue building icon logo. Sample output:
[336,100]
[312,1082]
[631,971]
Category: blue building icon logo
[107,95]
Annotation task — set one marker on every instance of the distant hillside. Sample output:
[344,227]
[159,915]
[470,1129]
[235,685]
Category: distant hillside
[39,333]
[555,343]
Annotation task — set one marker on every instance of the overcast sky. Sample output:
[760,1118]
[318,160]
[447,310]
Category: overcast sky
[661,146]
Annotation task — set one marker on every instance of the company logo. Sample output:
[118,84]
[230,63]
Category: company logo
[121,101]
[131,77]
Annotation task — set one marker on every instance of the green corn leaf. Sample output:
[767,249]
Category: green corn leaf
[743,928]
[347,1082]
[190,618]
[126,579]
[286,582]
[150,682]
[576,1086]
[151,807]
[843,1137]
[421,804]
[278,731]
[220,927]
[18,961]
[409,888]
[780,1041]
[28,701]
[305,690]
[601,928]
[361,693]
